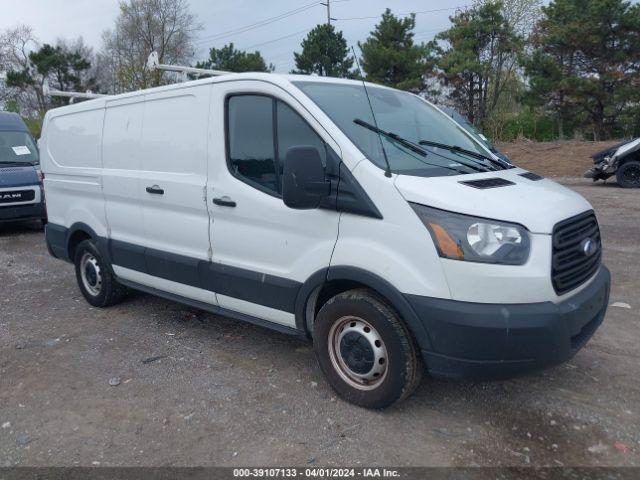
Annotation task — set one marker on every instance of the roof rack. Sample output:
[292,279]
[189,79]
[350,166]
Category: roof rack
[153,63]
[52,92]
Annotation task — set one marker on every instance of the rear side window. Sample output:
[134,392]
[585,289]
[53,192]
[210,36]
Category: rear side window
[261,130]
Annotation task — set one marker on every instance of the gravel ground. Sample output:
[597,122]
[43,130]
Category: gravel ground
[198,389]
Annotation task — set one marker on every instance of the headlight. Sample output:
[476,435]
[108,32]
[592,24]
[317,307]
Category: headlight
[463,237]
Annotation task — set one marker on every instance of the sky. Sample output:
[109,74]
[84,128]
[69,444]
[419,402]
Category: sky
[223,21]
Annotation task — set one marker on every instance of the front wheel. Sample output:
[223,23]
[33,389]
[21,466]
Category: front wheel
[97,284]
[628,174]
[365,350]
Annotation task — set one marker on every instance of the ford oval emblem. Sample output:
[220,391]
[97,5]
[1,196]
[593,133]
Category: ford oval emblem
[588,247]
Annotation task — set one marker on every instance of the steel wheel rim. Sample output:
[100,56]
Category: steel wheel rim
[632,174]
[358,338]
[91,274]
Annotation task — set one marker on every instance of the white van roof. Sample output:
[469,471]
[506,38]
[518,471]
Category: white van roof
[283,80]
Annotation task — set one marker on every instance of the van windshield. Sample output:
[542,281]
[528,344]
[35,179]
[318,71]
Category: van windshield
[18,147]
[405,115]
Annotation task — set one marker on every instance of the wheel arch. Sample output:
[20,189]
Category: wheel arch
[326,283]
[79,232]
[629,157]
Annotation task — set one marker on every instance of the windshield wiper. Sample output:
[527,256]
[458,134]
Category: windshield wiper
[411,145]
[446,167]
[456,149]
[397,140]
[402,141]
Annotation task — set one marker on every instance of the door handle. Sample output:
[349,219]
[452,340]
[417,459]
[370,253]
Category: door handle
[224,201]
[156,190]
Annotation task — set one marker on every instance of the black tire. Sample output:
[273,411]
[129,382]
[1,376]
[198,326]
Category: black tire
[105,289]
[628,174]
[403,364]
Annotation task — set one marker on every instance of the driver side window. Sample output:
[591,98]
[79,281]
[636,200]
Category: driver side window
[260,131]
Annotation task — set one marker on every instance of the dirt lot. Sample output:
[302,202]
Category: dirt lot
[197,389]
[570,158]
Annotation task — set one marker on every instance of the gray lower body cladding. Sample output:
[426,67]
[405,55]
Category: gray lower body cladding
[484,341]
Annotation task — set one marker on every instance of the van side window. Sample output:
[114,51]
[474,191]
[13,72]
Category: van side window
[261,130]
[252,153]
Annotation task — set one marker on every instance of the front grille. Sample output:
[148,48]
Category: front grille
[571,265]
[16,196]
[14,169]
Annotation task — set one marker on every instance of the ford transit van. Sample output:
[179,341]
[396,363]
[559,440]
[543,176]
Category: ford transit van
[357,216]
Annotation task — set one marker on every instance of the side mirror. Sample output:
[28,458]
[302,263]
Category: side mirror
[303,179]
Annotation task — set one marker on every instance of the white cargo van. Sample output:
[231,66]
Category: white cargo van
[362,218]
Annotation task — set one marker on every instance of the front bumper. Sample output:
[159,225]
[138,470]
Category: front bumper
[32,211]
[483,341]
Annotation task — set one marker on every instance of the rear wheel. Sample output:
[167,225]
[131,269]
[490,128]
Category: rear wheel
[628,174]
[96,282]
[365,350]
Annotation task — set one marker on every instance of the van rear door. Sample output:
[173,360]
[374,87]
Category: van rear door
[262,250]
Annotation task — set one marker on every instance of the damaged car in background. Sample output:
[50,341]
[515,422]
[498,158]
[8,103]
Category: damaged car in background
[621,160]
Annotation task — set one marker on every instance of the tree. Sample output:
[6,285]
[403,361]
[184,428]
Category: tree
[88,78]
[478,59]
[585,60]
[143,26]
[232,60]
[521,15]
[325,53]
[56,66]
[15,44]
[390,57]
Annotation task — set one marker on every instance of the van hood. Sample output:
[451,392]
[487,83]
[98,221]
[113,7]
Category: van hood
[536,204]
[18,176]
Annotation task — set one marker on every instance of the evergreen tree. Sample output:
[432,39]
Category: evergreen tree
[390,57]
[324,52]
[56,66]
[230,59]
[478,59]
[585,61]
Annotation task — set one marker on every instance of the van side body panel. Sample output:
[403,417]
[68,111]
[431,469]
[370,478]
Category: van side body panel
[71,162]
[174,142]
[397,247]
[122,164]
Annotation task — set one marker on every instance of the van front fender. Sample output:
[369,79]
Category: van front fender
[366,279]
